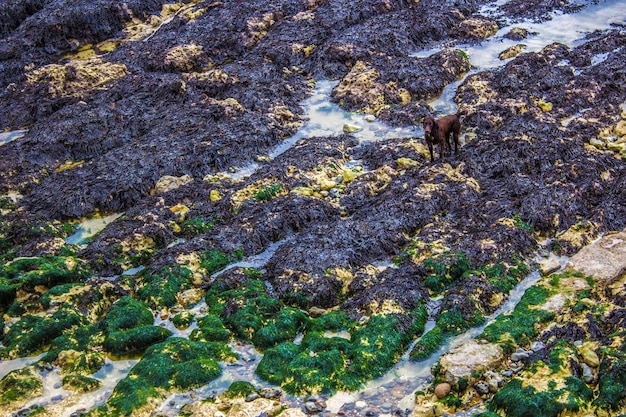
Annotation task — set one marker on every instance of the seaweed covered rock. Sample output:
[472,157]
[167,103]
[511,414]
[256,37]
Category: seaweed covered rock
[171,366]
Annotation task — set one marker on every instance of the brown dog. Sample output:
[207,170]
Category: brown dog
[438,131]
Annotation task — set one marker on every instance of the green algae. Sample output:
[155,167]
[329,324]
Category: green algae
[427,344]
[195,226]
[283,327]
[214,260]
[32,333]
[134,340]
[80,383]
[125,314]
[183,320]
[244,310]
[239,389]
[518,328]
[56,291]
[518,401]
[211,329]
[176,364]
[611,381]
[322,364]
[128,327]
[159,289]
[268,192]
[48,271]
[19,385]
[80,339]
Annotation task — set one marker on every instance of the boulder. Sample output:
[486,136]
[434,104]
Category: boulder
[605,259]
[472,356]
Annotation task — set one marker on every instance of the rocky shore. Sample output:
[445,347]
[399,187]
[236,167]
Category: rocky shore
[166,118]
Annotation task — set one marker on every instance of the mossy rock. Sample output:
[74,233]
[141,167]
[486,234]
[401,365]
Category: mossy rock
[245,309]
[56,291]
[211,329]
[240,389]
[174,365]
[21,384]
[159,289]
[47,271]
[183,320]
[86,363]
[427,344]
[32,333]
[323,364]
[282,328]
[80,339]
[125,314]
[135,340]
[80,383]
[519,401]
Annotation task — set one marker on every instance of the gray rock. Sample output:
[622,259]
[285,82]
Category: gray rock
[537,346]
[588,375]
[520,355]
[482,388]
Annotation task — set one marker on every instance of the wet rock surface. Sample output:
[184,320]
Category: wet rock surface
[156,111]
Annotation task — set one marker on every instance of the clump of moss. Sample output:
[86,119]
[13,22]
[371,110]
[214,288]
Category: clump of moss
[195,226]
[268,192]
[128,327]
[283,327]
[135,340]
[56,291]
[518,401]
[322,364]
[47,271]
[445,271]
[211,329]
[240,389]
[427,344]
[174,365]
[214,260]
[611,382]
[183,320]
[81,338]
[32,333]
[21,384]
[245,309]
[159,289]
[80,383]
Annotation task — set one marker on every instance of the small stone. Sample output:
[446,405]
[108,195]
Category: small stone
[600,144]
[589,356]
[507,374]
[370,118]
[350,128]
[520,354]
[442,390]
[359,405]
[219,414]
[588,375]
[316,312]
[406,163]
[511,52]
[252,397]
[482,388]
[537,346]
[215,195]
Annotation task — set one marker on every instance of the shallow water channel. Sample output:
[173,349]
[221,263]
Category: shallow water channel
[395,390]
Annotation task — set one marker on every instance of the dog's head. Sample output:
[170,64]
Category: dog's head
[428,122]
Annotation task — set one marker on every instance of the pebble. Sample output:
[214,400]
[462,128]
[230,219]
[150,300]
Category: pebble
[252,397]
[588,375]
[482,388]
[359,405]
[537,346]
[520,355]
[442,390]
